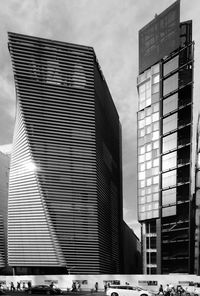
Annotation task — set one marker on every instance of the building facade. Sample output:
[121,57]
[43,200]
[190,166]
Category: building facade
[165,87]
[132,251]
[197,200]
[65,188]
[4,172]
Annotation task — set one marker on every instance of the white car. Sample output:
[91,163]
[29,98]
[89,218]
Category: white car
[127,290]
[193,289]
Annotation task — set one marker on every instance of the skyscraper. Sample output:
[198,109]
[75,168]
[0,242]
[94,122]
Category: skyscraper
[65,188]
[165,86]
[4,171]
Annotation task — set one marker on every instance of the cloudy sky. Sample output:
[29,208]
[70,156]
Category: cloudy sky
[111,27]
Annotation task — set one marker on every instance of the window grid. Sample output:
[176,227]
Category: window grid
[148,145]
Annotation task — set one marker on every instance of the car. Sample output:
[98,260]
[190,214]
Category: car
[44,289]
[126,290]
[193,289]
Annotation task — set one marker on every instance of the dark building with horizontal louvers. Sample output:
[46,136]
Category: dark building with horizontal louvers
[165,87]
[4,172]
[132,251]
[65,188]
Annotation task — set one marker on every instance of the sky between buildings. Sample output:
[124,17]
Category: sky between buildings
[111,28]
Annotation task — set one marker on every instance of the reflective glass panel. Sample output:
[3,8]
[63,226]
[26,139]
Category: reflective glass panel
[155,78]
[149,164]
[169,161]
[148,129]
[155,117]
[142,150]
[155,135]
[155,88]
[169,142]
[155,68]
[156,144]
[141,158]
[141,167]
[170,104]
[155,171]
[141,115]
[148,190]
[155,196]
[155,126]
[155,188]
[148,147]
[141,123]
[155,213]
[169,179]
[170,65]
[156,162]
[156,180]
[169,211]
[148,111]
[155,107]
[148,120]
[168,196]
[169,123]
[149,181]
[141,132]
[170,84]
[141,176]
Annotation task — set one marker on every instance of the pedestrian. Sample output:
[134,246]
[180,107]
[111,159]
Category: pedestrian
[79,286]
[12,287]
[105,287]
[51,285]
[18,286]
[74,287]
[160,291]
[29,285]
[167,290]
[96,287]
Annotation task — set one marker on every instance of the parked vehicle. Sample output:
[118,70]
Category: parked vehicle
[126,290]
[193,289]
[44,289]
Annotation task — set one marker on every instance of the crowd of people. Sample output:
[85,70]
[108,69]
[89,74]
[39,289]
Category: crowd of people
[171,290]
[20,286]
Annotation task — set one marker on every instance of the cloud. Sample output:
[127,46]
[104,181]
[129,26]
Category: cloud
[6,149]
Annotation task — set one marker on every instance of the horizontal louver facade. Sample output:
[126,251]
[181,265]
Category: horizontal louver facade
[53,215]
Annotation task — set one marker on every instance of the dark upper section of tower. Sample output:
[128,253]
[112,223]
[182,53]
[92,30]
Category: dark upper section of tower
[159,37]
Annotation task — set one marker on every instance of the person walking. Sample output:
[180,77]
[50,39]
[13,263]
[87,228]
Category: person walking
[161,291]
[96,287]
[18,286]
[12,287]
[51,285]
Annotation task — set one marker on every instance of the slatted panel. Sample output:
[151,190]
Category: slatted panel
[2,243]
[29,235]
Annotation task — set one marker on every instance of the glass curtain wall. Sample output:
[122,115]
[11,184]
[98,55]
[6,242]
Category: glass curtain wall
[176,106]
[148,160]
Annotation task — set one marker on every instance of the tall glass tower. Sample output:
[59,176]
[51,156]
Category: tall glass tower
[65,188]
[165,86]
